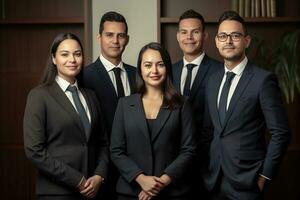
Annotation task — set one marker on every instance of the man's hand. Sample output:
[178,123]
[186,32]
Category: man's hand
[261,183]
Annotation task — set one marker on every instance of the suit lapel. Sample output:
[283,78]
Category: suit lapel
[139,115]
[160,121]
[239,90]
[177,70]
[131,78]
[60,97]
[213,99]
[104,78]
[203,68]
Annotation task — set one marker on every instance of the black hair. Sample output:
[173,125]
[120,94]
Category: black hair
[193,14]
[112,17]
[232,15]
[171,97]
[50,71]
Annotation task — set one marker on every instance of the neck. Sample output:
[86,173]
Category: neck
[153,93]
[191,57]
[231,64]
[114,61]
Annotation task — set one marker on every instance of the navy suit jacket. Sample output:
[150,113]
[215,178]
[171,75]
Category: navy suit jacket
[239,146]
[55,141]
[169,149]
[197,96]
[97,79]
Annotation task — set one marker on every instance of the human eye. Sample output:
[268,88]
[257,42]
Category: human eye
[108,34]
[222,36]
[64,54]
[236,35]
[161,64]
[78,54]
[122,35]
[147,65]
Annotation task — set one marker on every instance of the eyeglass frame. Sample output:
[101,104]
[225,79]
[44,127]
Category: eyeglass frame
[235,39]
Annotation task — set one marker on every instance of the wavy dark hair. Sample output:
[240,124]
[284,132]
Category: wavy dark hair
[232,15]
[171,98]
[50,71]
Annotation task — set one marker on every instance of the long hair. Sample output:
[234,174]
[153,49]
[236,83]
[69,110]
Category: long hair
[171,98]
[50,71]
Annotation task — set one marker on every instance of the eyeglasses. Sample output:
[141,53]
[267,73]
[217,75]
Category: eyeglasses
[235,36]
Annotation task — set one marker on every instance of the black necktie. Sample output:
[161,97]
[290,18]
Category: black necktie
[187,85]
[224,96]
[79,107]
[120,88]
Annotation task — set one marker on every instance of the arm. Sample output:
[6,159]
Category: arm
[277,124]
[126,166]
[187,152]
[35,142]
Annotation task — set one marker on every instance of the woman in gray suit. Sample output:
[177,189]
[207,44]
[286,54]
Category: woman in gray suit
[152,141]
[64,136]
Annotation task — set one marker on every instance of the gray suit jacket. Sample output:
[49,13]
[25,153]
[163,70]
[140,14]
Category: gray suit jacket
[55,142]
[239,146]
[169,149]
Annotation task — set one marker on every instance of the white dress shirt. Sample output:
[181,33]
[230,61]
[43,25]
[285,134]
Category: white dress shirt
[109,68]
[238,70]
[195,69]
[63,84]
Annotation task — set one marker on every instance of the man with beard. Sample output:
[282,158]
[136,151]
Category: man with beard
[243,101]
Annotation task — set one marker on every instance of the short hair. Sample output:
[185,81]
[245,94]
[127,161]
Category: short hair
[192,14]
[232,15]
[50,71]
[112,17]
[171,97]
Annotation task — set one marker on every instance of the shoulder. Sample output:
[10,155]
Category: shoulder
[214,64]
[93,65]
[129,68]
[259,72]
[132,99]
[178,64]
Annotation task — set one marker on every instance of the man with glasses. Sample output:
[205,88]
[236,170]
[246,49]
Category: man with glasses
[190,76]
[243,102]
[110,79]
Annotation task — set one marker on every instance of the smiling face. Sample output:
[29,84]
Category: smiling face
[68,59]
[191,37]
[113,41]
[233,51]
[153,69]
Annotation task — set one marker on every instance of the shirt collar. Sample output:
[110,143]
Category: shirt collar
[238,70]
[63,84]
[109,66]
[197,61]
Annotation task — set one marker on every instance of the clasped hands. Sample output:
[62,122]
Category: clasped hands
[151,185]
[89,187]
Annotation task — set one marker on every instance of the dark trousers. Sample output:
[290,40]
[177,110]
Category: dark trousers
[224,190]
[60,197]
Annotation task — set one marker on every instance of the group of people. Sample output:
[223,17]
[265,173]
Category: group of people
[190,130]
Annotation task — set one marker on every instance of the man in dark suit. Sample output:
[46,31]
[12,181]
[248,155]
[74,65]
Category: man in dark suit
[243,101]
[190,75]
[109,77]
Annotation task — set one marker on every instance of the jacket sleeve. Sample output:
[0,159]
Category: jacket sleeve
[277,124]
[35,145]
[184,160]
[126,166]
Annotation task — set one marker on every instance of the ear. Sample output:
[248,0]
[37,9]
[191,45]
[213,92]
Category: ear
[248,40]
[177,36]
[127,40]
[98,38]
[205,35]
[53,59]
[217,42]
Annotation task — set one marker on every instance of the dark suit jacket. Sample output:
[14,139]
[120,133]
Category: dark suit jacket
[207,67]
[168,149]
[55,142]
[97,79]
[239,146]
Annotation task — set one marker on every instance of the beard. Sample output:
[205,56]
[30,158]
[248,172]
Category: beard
[233,57]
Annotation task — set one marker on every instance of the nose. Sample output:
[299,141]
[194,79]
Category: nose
[72,58]
[154,69]
[115,38]
[190,35]
[229,39]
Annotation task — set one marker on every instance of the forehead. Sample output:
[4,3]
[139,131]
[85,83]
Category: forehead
[68,44]
[190,23]
[109,26]
[229,26]
[151,54]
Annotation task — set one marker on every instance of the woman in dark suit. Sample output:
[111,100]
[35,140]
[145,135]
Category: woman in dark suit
[152,141]
[64,136]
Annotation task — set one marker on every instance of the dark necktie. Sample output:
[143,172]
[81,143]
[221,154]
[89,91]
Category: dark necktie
[187,85]
[224,96]
[79,107]
[120,88]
